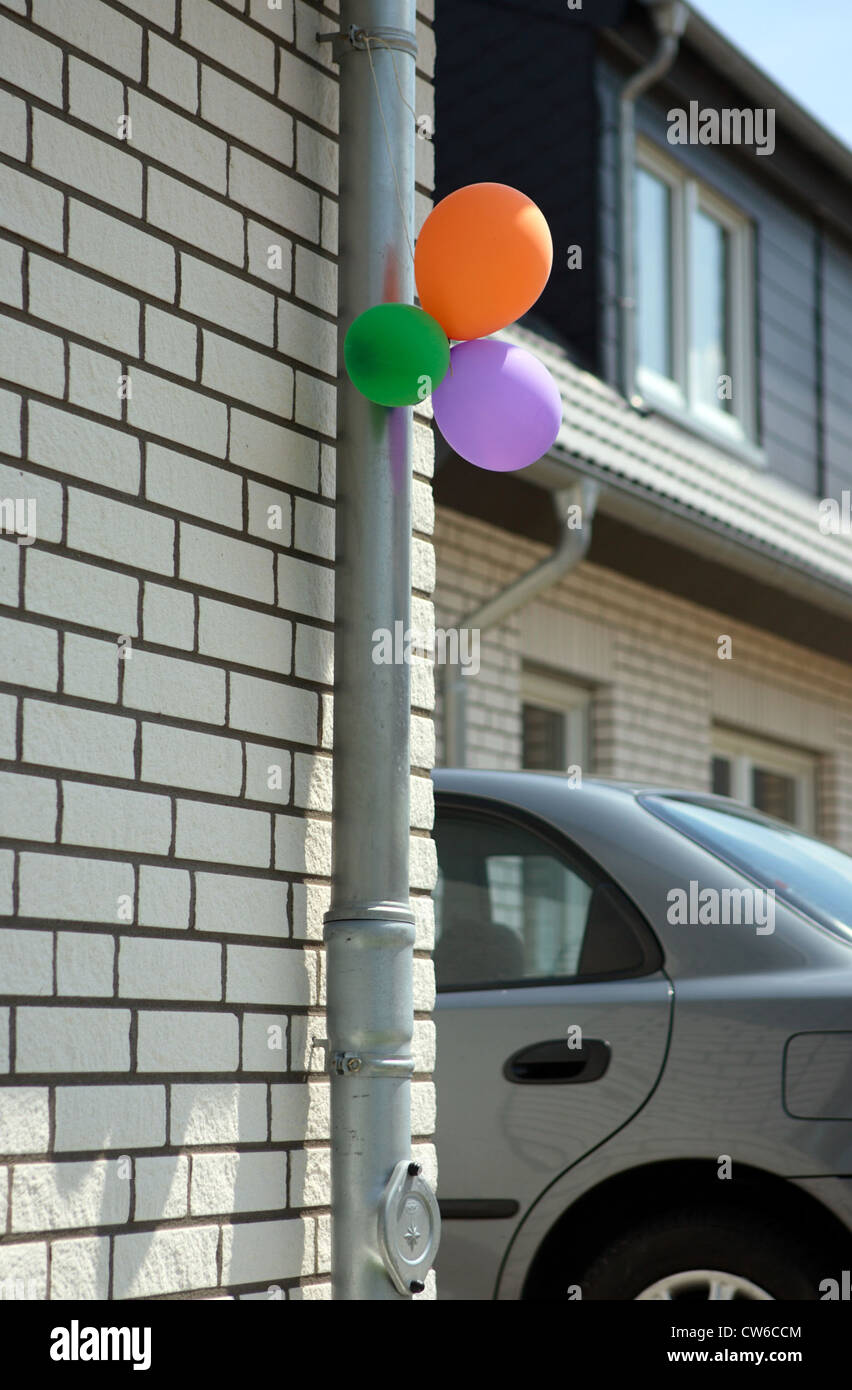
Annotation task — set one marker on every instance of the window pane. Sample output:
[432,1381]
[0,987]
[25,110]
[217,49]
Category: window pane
[509,908]
[807,873]
[578,738]
[544,739]
[721,771]
[709,310]
[653,273]
[774,793]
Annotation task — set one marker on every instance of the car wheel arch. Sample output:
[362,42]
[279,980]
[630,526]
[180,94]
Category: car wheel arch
[611,1206]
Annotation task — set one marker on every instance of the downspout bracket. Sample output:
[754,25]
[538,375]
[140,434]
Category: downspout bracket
[369,1064]
[354,37]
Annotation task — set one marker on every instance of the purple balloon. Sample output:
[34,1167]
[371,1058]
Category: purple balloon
[498,406]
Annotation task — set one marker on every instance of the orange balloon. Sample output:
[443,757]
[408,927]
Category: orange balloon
[482,259]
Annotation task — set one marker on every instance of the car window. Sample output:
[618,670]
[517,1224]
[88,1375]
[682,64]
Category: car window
[510,907]
[810,875]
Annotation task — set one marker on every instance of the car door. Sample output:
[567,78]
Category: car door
[553,1017]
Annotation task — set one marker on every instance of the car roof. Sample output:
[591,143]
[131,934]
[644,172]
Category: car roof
[529,788]
[451,778]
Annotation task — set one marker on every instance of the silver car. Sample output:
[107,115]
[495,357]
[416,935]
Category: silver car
[644,1046]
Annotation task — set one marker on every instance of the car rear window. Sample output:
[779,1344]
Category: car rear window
[806,873]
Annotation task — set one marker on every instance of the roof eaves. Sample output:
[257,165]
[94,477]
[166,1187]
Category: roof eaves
[734,64]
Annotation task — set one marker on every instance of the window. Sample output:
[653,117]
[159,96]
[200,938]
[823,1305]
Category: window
[710,330]
[654,276]
[694,300]
[777,780]
[555,722]
[511,908]
[810,875]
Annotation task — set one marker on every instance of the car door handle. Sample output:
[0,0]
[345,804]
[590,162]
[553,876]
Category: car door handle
[556,1064]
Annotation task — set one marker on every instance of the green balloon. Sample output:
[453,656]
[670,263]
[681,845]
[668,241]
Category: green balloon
[396,354]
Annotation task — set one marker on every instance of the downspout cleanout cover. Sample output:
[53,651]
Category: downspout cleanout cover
[409,1227]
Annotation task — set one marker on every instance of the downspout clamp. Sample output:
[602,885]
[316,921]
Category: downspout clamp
[385,1221]
[670,20]
[571,548]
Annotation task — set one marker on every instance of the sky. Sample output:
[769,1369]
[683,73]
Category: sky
[804,45]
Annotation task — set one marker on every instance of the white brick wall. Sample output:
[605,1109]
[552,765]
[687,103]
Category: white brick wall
[75,157]
[80,1268]
[49,1197]
[89,668]
[162,386]
[110,1117]
[65,298]
[171,1042]
[77,1040]
[165,1261]
[85,448]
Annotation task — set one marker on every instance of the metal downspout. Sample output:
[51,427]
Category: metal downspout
[571,548]
[670,19]
[369,931]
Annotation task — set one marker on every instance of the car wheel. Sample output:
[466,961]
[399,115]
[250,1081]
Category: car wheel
[695,1256]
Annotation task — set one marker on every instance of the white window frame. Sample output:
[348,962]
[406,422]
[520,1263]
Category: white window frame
[678,396]
[569,699]
[744,751]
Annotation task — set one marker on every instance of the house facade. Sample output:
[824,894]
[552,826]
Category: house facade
[702,635]
[168,368]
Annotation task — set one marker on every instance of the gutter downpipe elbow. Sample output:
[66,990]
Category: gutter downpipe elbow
[670,19]
[571,548]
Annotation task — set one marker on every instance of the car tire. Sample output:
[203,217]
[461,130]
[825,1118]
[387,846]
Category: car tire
[750,1250]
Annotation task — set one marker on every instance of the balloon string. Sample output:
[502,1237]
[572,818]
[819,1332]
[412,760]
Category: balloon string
[367,41]
[374,38]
